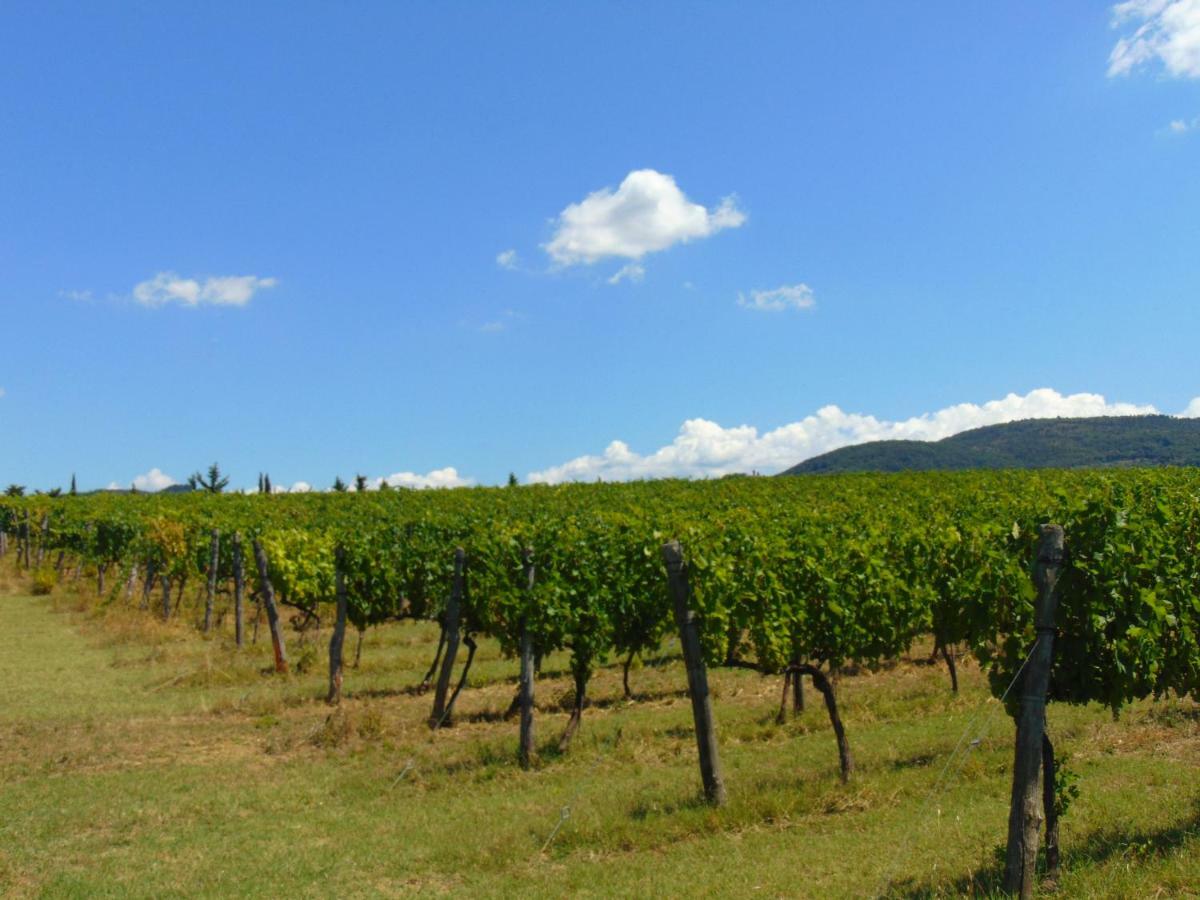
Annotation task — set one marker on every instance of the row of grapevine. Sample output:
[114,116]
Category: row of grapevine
[796,575]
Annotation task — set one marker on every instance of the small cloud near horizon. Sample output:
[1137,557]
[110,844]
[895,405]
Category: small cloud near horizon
[154,480]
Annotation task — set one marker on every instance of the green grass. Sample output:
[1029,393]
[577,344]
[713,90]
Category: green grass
[144,760]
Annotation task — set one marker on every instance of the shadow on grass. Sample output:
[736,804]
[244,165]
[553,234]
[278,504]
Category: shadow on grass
[1174,714]
[915,761]
[1142,844]
[417,690]
[491,715]
[638,697]
[564,705]
[1095,848]
[646,810]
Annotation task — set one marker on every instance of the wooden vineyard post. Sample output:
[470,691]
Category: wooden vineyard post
[214,557]
[148,584]
[44,539]
[25,541]
[1025,814]
[338,639]
[239,589]
[268,600]
[527,673]
[689,636]
[130,582]
[453,617]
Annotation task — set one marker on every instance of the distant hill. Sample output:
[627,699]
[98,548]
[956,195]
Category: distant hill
[170,489]
[1028,444]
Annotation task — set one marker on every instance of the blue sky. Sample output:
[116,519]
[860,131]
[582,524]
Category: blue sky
[320,239]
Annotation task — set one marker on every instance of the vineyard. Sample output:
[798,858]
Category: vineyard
[806,580]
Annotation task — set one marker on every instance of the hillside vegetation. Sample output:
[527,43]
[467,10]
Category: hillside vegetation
[1031,444]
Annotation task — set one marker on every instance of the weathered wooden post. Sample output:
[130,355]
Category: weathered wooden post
[1049,797]
[239,589]
[527,667]
[214,558]
[25,541]
[268,601]
[166,595]
[148,584]
[338,638]
[130,582]
[452,636]
[43,539]
[1025,815]
[689,636]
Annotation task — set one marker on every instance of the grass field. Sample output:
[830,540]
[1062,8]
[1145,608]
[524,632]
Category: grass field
[138,759]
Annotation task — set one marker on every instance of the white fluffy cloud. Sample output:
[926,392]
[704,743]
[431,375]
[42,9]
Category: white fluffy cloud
[438,478]
[1163,30]
[647,213]
[507,259]
[703,448]
[1192,411]
[154,480]
[788,296]
[1183,126]
[218,290]
[300,487]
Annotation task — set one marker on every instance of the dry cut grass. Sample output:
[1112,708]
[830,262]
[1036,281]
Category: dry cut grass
[143,759]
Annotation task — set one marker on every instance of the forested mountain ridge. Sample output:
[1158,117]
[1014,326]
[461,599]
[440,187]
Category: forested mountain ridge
[1028,444]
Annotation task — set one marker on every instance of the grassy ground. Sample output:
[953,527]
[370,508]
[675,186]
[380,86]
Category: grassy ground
[138,759]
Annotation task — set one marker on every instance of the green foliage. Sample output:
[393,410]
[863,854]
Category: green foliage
[214,483]
[306,660]
[165,543]
[1066,785]
[301,565]
[44,580]
[831,571]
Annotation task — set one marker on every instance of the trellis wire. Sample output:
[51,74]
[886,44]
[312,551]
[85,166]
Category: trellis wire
[985,713]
